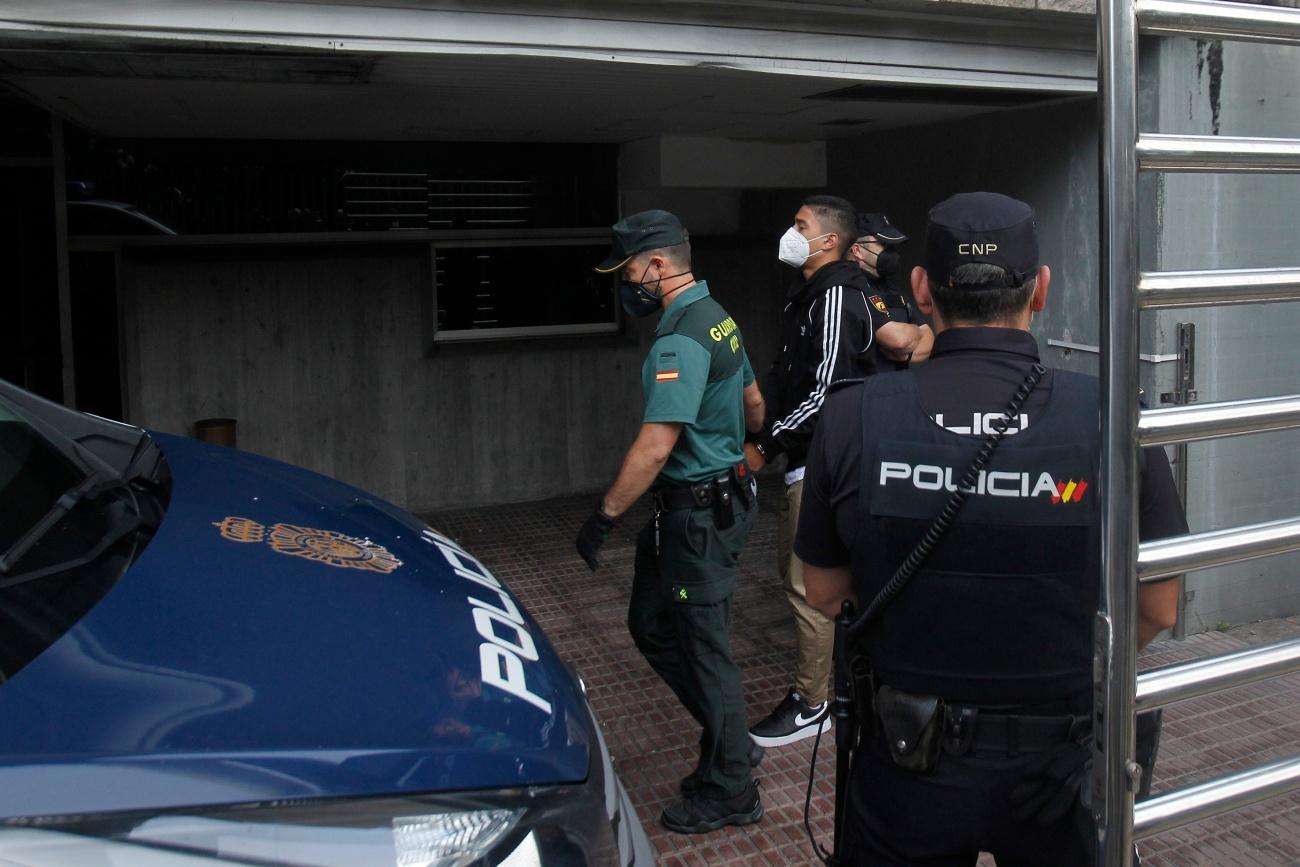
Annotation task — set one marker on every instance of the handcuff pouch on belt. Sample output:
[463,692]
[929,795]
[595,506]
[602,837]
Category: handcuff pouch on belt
[913,727]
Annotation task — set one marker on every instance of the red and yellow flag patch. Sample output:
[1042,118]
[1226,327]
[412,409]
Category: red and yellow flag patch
[1069,492]
[666,375]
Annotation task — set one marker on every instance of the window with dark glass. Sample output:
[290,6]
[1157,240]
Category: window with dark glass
[541,285]
[513,230]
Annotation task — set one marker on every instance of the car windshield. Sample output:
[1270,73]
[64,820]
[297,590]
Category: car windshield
[67,532]
[33,475]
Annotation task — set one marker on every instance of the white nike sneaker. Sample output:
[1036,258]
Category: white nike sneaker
[793,720]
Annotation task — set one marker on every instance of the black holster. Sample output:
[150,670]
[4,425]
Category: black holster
[723,514]
[913,726]
[862,686]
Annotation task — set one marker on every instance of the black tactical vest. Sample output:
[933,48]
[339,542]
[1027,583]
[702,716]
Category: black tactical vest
[1001,612]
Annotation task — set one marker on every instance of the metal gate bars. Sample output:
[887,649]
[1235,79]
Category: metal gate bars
[1120,693]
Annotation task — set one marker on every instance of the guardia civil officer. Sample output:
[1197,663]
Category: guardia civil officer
[829,331]
[876,253]
[699,397]
[979,703]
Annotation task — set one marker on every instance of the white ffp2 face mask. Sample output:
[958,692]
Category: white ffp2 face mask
[793,249]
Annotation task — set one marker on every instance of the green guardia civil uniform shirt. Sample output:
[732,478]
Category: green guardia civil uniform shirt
[695,374]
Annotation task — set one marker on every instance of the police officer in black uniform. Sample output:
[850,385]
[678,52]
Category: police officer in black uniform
[976,712]
[876,253]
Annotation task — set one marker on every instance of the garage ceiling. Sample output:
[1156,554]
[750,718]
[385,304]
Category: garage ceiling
[342,71]
[437,98]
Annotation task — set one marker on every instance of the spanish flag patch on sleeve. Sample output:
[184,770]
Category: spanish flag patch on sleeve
[667,369]
[879,303]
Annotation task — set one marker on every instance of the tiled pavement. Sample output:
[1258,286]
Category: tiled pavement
[530,546]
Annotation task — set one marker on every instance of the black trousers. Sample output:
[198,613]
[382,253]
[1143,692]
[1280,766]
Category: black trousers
[680,618]
[896,817]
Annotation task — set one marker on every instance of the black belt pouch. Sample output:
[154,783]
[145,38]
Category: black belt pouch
[723,516]
[912,726]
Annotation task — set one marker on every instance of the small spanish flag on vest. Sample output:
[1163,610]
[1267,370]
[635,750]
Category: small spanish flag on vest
[665,376]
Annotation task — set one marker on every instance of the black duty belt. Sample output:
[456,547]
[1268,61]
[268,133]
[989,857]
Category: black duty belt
[970,728]
[702,495]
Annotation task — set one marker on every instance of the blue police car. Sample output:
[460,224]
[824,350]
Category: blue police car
[209,657]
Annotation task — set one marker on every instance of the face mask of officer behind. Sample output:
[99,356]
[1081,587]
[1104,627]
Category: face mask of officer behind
[887,261]
[639,301]
[793,248]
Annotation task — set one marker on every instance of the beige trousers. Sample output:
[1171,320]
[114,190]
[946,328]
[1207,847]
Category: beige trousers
[814,632]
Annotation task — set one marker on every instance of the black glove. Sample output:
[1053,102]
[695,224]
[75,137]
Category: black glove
[1052,783]
[593,533]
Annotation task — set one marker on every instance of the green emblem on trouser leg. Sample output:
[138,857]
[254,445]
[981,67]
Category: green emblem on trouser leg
[681,593]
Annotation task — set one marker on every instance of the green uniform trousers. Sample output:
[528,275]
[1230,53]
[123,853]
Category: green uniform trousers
[680,619]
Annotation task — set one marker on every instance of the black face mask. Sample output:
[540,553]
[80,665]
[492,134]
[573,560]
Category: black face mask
[887,262]
[637,300]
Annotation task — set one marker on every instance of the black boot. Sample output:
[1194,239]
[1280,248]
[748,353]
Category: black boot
[697,814]
[691,782]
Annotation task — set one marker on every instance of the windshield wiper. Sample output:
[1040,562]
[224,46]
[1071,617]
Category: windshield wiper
[61,507]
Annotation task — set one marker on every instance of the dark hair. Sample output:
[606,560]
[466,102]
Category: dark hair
[976,295]
[836,215]
[678,255]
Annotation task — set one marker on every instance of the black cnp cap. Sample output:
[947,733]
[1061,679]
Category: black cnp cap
[878,225]
[648,230]
[985,228]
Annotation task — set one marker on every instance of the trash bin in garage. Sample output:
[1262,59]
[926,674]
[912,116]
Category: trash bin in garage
[220,431]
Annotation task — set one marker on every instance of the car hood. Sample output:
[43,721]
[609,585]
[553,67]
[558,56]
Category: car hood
[285,635]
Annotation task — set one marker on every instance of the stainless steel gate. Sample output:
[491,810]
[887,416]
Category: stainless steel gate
[1125,152]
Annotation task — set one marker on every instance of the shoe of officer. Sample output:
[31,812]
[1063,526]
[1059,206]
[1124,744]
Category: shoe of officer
[793,720]
[697,814]
[691,782]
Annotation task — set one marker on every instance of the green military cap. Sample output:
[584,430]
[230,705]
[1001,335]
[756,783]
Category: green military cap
[648,230]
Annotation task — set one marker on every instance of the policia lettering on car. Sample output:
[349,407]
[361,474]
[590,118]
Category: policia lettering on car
[501,660]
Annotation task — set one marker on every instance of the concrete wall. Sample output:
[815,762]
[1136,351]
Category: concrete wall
[1045,156]
[321,354]
[1234,221]
[322,357]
